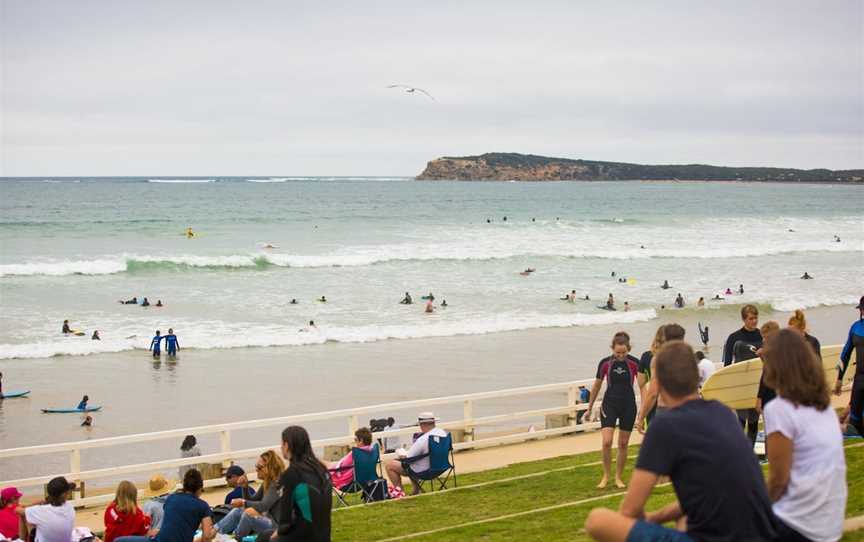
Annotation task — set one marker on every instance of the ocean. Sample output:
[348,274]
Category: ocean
[72,248]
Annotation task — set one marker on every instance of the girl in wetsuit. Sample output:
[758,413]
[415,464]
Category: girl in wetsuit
[618,406]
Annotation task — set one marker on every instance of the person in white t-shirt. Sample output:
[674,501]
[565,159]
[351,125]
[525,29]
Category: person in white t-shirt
[396,469]
[706,367]
[55,520]
[805,446]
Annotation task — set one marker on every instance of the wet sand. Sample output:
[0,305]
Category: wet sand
[216,386]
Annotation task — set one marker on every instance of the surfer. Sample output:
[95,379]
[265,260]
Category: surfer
[610,302]
[613,273]
[293,301]
[806,276]
[172,345]
[855,342]
[430,297]
[159,303]
[66,329]
[444,303]
[95,336]
[728,291]
[83,404]
[407,299]
[88,421]
[679,301]
[189,233]
[145,303]
[836,238]
[741,289]
[665,285]
[619,404]
[133,301]
[322,299]
[717,298]
[571,297]
[156,345]
[587,298]
[703,334]
[740,346]
[429,307]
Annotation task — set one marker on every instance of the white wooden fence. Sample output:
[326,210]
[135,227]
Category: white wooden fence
[228,454]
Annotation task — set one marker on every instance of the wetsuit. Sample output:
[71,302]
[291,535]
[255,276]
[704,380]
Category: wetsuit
[703,333]
[855,342]
[82,405]
[737,349]
[619,402]
[156,346]
[171,344]
[645,369]
[66,329]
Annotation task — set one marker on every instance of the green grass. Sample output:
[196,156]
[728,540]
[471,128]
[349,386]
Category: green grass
[567,483]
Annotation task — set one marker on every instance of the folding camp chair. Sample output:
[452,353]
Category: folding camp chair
[367,476]
[441,464]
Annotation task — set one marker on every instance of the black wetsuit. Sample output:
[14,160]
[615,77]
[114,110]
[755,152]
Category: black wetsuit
[645,369]
[619,402]
[737,349]
[855,342]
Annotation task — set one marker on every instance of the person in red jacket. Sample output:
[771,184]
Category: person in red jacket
[123,517]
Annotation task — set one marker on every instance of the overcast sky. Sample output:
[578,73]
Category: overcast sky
[281,87]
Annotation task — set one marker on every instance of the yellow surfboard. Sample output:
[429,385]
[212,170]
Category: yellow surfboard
[736,386]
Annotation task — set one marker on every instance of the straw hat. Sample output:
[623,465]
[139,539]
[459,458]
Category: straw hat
[158,485]
[426,417]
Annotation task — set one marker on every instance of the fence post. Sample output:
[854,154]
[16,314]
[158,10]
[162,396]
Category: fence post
[572,399]
[225,446]
[353,425]
[468,418]
[75,468]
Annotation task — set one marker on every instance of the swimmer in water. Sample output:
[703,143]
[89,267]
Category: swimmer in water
[613,273]
[718,298]
[679,301]
[444,303]
[407,299]
[96,336]
[189,233]
[429,307]
[88,421]
[701,302]
[159,303]
[587,298]
[66,329]
[805,276]
[610,302]
[741,289]
[728,291]
[665,285]
[430,297]
[156,345]
[133,301]
[626,306]
[322,299]
[293,302]
[145,303]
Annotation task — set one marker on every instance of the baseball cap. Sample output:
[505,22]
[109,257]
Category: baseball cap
[860,303]
[10,493]
[234,470]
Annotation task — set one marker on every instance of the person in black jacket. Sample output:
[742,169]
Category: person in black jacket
[306,492]
[740,346]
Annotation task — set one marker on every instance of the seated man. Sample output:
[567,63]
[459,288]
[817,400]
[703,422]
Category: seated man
[160,488]
[235,477]
[396,469]
[700,446]
[342,472]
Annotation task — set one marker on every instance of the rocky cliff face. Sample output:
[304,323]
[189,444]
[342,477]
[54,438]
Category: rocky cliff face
[527,167]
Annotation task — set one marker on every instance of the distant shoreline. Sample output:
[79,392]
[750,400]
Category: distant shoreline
[652,181]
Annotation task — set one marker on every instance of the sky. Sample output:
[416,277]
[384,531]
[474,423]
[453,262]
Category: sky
[121,87]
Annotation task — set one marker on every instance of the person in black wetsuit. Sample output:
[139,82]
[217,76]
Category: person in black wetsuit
[406,300]
[306,493]
[855,342]
[765,393]
[665,285]
[679,301]
[619,404]
[650,393]
[703,334]
[742,345]
[806,276]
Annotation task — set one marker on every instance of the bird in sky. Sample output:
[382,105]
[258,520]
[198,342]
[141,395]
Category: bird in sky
[412,90]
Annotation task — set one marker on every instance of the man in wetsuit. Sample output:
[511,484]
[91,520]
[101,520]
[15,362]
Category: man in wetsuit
[156,345]
[855,341]
[171,343]
[703,334]
[740,346]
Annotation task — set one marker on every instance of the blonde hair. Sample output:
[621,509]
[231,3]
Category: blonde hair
[659,339]
[798,321]
[273,468]
[126,498]
[769,328]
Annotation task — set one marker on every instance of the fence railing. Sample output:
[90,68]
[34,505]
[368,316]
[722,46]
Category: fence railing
[467,424]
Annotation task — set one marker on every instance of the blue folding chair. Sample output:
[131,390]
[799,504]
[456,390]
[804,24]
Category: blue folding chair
[441,464]
[367,476]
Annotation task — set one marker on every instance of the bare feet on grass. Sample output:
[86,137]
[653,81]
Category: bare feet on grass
[603,483]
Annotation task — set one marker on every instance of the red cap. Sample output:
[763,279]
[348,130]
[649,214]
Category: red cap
[10,493]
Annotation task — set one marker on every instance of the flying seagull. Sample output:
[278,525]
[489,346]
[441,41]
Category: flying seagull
[411,90]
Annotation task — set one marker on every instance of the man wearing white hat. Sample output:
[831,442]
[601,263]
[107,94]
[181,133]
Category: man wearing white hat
[394,467]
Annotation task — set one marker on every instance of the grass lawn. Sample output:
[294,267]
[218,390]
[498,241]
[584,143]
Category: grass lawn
[541,496]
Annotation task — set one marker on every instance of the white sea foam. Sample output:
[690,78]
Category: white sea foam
[65,267]
[181,181]
[270,180]
[209,335]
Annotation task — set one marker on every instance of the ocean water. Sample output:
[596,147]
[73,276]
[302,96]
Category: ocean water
[71,248]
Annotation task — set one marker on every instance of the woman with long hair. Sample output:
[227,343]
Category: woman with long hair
[619,404]
[799,323]
[807,471]
[123,517]
[256,514]
[307,494]
[644,376]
